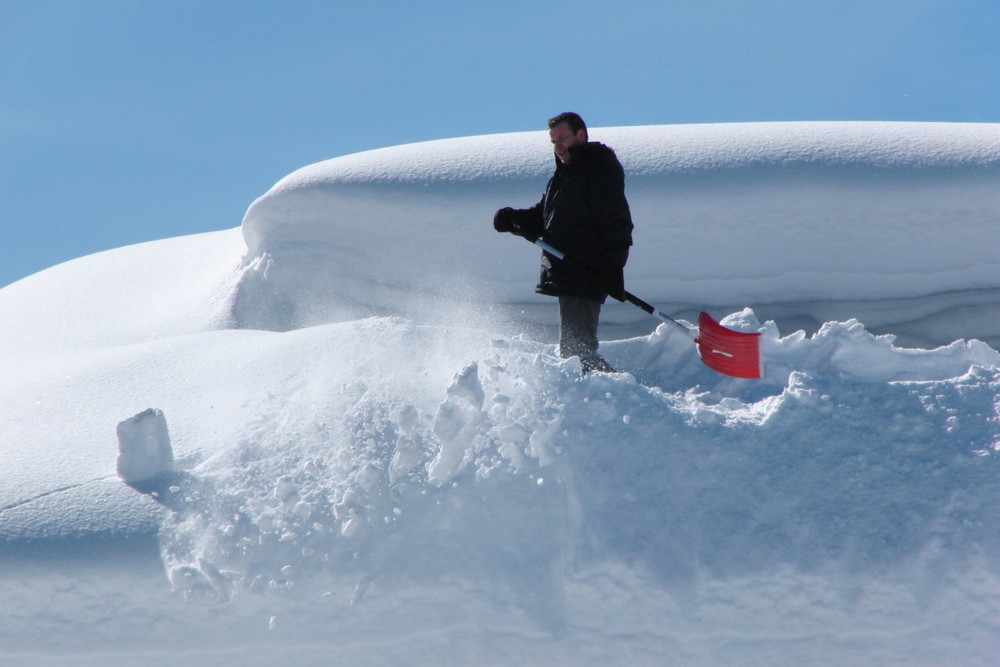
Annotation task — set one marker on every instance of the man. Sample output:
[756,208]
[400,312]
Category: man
[584,214]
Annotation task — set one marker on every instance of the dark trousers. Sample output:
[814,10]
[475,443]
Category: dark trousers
[578,319]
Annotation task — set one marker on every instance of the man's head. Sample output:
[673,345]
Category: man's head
[566,130]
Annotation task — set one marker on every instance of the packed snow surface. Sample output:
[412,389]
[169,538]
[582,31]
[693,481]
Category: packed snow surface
[340,434]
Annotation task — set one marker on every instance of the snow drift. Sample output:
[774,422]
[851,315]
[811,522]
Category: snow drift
[410,481]
[893,223]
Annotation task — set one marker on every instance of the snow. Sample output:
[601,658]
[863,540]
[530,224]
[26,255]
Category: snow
[893,223]
[368,452]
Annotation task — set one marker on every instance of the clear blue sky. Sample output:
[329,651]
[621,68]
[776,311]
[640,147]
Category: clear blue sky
[128,121]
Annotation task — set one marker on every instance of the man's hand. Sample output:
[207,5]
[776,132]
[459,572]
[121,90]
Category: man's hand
[504,220]
[510,220]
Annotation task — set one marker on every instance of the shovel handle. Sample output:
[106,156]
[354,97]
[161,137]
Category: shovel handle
[631,298]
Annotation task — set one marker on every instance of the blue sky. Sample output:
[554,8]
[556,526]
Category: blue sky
[129,121]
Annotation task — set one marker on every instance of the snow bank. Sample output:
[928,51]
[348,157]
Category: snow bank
[482,501]
[892,223]
[129,295]
[415,490]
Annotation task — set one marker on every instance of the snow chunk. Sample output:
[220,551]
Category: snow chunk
[144,451]
[457,423]
[467,386]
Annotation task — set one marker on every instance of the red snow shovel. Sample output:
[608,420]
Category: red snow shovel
[730,352]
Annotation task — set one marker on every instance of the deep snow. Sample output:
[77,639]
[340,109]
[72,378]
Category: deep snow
[891,223]
[374,465]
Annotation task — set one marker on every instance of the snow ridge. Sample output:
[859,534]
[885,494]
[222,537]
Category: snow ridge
[804,222]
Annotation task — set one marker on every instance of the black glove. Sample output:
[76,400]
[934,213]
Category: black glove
[511,220]
[614,282]
[503,220]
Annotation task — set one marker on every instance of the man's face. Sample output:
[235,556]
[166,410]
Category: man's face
[563,139]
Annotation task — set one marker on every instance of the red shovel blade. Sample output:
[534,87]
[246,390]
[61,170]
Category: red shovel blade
[727,351]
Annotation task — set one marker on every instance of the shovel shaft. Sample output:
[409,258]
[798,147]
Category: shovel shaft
[631,298]
[659,314]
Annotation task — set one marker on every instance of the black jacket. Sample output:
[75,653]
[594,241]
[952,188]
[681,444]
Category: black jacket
[583,213]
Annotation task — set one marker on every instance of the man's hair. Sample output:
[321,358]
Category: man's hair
[573,120]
